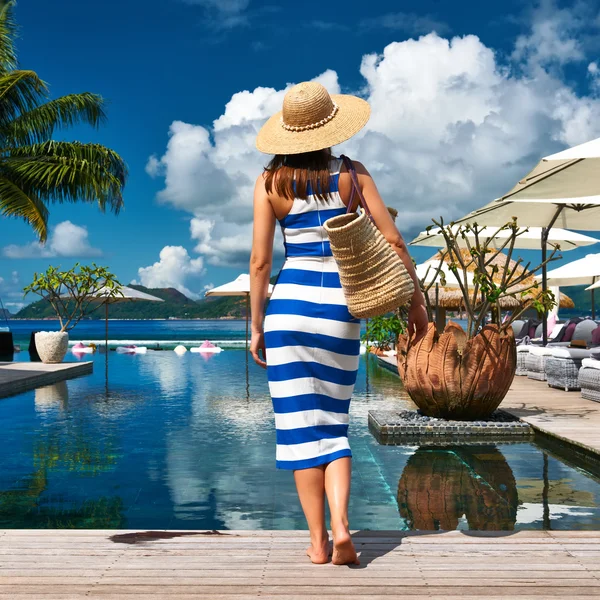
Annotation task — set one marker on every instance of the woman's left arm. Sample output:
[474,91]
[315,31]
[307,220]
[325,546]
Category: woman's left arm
[261,261]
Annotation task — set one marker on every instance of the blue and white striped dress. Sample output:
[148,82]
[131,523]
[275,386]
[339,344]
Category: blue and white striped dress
[312,340]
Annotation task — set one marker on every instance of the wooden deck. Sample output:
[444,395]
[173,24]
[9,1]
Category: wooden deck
[18,377]
[117,565]
[563,415]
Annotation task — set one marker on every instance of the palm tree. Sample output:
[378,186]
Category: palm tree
[36,171]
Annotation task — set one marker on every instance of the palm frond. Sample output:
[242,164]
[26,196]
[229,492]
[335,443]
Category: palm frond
[20,92]
[8,55]
[14,202]
[38,124]
[68,172]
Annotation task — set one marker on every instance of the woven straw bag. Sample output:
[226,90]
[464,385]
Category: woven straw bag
[373,276]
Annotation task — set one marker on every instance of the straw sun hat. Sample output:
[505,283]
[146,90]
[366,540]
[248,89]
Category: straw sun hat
[311,120]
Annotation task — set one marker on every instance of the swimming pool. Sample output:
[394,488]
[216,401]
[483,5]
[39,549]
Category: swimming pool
[187,442]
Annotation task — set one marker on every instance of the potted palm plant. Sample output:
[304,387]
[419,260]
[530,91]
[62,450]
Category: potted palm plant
[465,374]
[73,295]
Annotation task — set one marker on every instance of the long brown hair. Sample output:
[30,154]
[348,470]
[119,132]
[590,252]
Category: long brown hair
[289,175]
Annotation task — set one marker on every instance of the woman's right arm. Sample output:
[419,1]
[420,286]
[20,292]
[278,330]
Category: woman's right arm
[261,260]
[417,316]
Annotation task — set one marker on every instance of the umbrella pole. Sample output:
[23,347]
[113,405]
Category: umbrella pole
[545,235]
[545,231]
[247,302]
[106,328]
[593,305]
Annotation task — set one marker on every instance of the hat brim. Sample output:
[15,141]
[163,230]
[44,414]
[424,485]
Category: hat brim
[353,114]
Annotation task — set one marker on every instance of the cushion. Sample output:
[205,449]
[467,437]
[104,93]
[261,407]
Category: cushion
[591,363]
[532,330]
[539,331]
[583,330]
[541,350]
[596,337]
[517,326]
[595,353]
[556,330]
[570,353]
[551,321]
[569,331]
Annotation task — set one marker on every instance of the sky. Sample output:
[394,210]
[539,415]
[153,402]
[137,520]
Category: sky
[466,97]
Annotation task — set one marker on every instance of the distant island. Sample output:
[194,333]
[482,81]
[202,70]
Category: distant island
[176,305]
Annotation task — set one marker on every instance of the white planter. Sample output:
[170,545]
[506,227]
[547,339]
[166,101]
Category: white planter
[52,346]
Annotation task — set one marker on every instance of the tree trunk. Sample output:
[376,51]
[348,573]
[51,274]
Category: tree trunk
[451,377]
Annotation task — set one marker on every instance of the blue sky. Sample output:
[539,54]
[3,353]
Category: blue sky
[458,115]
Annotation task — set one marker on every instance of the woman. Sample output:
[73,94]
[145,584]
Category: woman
[309,342]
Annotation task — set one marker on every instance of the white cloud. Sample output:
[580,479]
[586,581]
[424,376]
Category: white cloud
[175,268]
[557,36]
[11,292]
[452,127]
[410,23]
[223,14]
[65,240]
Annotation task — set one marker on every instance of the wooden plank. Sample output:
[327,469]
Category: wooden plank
[18,377]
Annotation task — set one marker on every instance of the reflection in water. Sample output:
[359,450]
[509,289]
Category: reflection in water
[441,485]
[63,446]
[51,399]
[187,443]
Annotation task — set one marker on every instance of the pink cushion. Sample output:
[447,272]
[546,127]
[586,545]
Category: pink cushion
[532,329]
[569,331]
[596,337]
[551,323]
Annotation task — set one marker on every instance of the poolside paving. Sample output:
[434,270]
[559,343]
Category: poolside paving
[563,415]
[18,377]
[69,564]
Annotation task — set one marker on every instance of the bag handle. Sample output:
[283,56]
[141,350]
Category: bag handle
[355,188]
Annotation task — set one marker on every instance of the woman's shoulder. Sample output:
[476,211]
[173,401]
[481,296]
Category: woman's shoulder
[358,166]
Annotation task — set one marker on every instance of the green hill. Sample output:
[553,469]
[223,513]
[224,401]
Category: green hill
[175,305]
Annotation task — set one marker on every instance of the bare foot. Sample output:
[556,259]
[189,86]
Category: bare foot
[319,555]
[344,552]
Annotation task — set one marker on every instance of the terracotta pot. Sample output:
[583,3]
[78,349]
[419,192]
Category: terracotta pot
[448,376]
[52,346]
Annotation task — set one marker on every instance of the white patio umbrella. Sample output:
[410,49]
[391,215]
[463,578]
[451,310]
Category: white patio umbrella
[428,272]
[124,294]
[239,287]
[529,238]
[563,189]
[585,271]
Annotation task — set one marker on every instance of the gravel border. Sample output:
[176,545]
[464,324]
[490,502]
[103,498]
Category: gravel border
[409,427]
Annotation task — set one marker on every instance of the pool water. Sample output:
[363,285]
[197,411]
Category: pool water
[161,441]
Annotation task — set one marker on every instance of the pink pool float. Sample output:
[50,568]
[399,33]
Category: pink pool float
[207,348]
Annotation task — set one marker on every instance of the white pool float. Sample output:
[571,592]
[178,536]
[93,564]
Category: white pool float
[180,349]
[207,348]
[132,349]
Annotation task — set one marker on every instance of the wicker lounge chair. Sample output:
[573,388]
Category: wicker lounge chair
[589,379]
[535,362]
[522,354]
[562,368]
